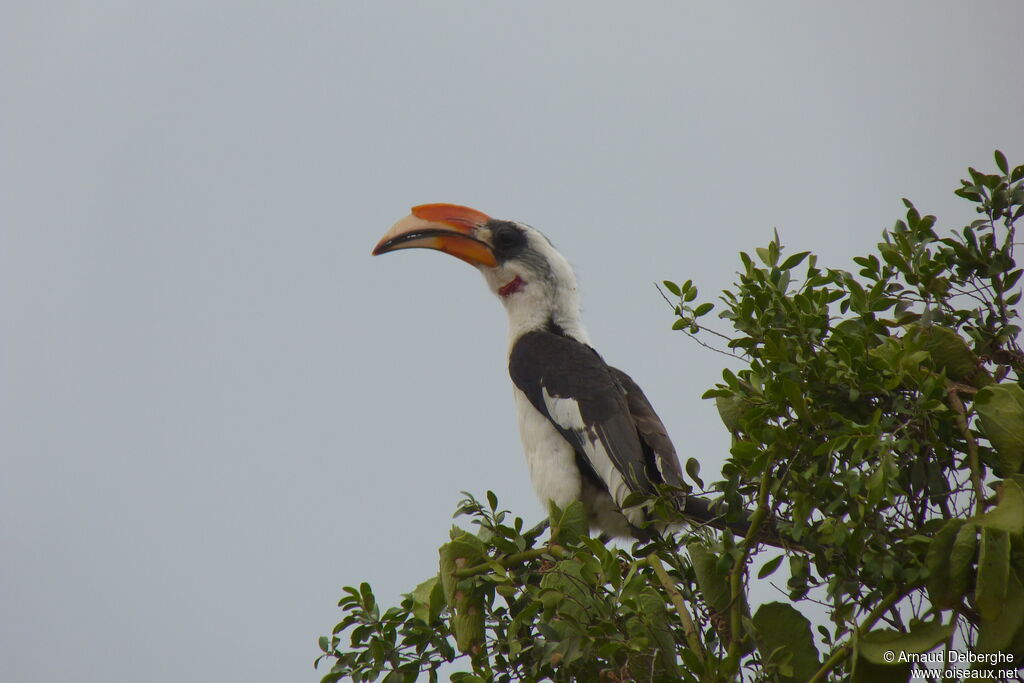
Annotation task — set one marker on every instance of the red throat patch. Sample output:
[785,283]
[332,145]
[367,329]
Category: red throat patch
[512,287]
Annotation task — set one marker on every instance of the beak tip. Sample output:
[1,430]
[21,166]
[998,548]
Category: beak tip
[384,246]
[442,227]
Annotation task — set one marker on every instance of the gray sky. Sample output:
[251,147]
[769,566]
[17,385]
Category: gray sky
[216,408]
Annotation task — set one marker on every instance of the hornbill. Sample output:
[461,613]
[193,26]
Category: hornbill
[589,432]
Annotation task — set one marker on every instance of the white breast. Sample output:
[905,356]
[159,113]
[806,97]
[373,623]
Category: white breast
[549,457]
[555,475]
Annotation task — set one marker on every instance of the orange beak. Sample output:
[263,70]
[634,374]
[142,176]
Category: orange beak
[449,228]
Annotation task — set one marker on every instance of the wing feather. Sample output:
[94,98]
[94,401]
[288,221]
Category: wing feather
[589,404]
[651,429]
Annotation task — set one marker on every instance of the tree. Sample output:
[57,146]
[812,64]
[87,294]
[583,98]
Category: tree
[878,422]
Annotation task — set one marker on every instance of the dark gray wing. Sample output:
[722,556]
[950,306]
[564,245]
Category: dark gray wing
[570,384]
[651,430]
[660,450]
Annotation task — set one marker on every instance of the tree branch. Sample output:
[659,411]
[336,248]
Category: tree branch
[512,560]
[692,635]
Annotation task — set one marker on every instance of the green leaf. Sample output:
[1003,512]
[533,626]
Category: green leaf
[780,626]
[743,449]
[693,469]
[713,583]
[794,260]
[893,258]
[996,635]
[795,397]
[730,409]
[671,286]
[922,638]
[428,600]
[394,677]
[770,566]
[655,617]
[567,592]
[869,672]
[463,677]
[1001,162]
[366,595]
[568,526]
[937,560]
[468,623]
[465,550]
[965,548]
[993,573]
[949,352]
[876,485]
[524,617]
[1000,411]
[1008,515]
[880,656]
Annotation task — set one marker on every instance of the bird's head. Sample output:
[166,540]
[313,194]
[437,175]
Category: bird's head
[534,281]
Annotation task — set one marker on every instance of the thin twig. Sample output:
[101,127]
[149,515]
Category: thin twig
[692,635]
[711,348]
[678,311]
[510,561]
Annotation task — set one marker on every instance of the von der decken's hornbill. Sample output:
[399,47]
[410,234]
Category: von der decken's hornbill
[589,432]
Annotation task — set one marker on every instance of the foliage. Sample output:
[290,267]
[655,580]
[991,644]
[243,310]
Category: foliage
[877,421]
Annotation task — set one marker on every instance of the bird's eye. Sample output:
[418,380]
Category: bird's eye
[508,238]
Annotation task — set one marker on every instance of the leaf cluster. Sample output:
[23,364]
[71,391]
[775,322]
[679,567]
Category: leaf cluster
[884,407]
[877,422]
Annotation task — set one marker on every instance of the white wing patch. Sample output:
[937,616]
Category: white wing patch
[565,412]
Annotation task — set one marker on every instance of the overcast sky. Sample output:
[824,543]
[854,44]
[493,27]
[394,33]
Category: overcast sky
[216,408]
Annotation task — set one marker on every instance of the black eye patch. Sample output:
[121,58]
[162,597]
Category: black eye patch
[507,239]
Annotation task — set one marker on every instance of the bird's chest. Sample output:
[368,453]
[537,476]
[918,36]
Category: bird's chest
[549,457]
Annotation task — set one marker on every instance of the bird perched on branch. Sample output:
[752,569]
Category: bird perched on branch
[589,432]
